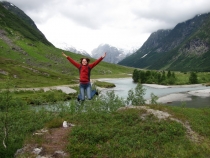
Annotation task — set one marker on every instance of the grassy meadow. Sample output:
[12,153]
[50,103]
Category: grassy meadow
[101,130]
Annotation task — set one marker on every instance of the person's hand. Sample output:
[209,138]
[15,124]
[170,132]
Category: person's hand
[64,54]
[104,55]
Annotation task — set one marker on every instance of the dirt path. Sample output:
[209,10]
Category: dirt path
[54,143]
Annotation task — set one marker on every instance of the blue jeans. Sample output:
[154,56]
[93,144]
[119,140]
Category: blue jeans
[89,91]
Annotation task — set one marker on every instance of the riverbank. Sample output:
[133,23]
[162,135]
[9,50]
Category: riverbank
[164,98]
[180,96]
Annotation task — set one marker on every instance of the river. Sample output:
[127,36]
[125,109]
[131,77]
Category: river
[186,95]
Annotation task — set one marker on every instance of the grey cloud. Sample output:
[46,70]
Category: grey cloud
[169,14]
[90,15]
[27,5]
[39,10]
[93,13]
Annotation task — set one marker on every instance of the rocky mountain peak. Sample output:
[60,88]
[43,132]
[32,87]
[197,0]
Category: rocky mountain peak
[114,55]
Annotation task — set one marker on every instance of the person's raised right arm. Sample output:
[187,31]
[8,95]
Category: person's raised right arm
[71,61]
[64,54]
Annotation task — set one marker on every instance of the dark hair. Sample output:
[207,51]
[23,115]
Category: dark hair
[87,59]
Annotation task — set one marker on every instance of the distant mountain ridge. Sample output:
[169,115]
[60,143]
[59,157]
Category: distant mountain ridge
[114,55]
[186,47]
[72,49]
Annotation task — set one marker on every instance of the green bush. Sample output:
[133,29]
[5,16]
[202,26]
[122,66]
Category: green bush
[136,97]
[17,120]
[193,78]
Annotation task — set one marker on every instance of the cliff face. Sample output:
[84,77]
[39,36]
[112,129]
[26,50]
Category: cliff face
[185,48]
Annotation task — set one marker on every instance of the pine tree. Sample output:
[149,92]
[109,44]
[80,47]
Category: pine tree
[193,78]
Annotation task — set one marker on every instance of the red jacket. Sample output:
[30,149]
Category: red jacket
[85,69]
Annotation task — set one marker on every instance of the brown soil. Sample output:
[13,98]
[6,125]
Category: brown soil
[53,144]
[56,141]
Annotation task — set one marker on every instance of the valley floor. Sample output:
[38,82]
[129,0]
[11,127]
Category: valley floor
[164,99]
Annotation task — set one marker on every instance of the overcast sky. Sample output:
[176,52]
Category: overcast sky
[85,24]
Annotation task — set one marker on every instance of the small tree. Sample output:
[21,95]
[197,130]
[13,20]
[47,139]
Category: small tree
[135,75]
[163,77]
[193,78]
[142,77]
[169,74]
[154,99]
[159,77]
[173,75]
[136,98]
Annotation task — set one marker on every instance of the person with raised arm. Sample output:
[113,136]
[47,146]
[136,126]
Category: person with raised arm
[85,68]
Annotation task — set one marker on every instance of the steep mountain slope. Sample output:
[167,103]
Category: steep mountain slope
[15,10]
[17,20]
[186,47]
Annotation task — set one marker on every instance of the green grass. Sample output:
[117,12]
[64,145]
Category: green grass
[40,97]
[183,77]
[104,84]
[126,134]
[102,131]
[24,76]
[197,118]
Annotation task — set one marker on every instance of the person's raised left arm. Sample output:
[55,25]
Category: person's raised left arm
[92,65]
[104,55]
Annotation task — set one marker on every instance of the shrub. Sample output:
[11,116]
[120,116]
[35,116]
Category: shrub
[136,97]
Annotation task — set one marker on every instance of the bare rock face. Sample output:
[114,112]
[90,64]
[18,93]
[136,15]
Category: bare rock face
[195,47]
[9,42]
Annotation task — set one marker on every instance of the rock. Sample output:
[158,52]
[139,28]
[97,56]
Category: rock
[65,124]
[37,151]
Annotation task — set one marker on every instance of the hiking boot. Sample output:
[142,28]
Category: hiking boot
[78,99]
